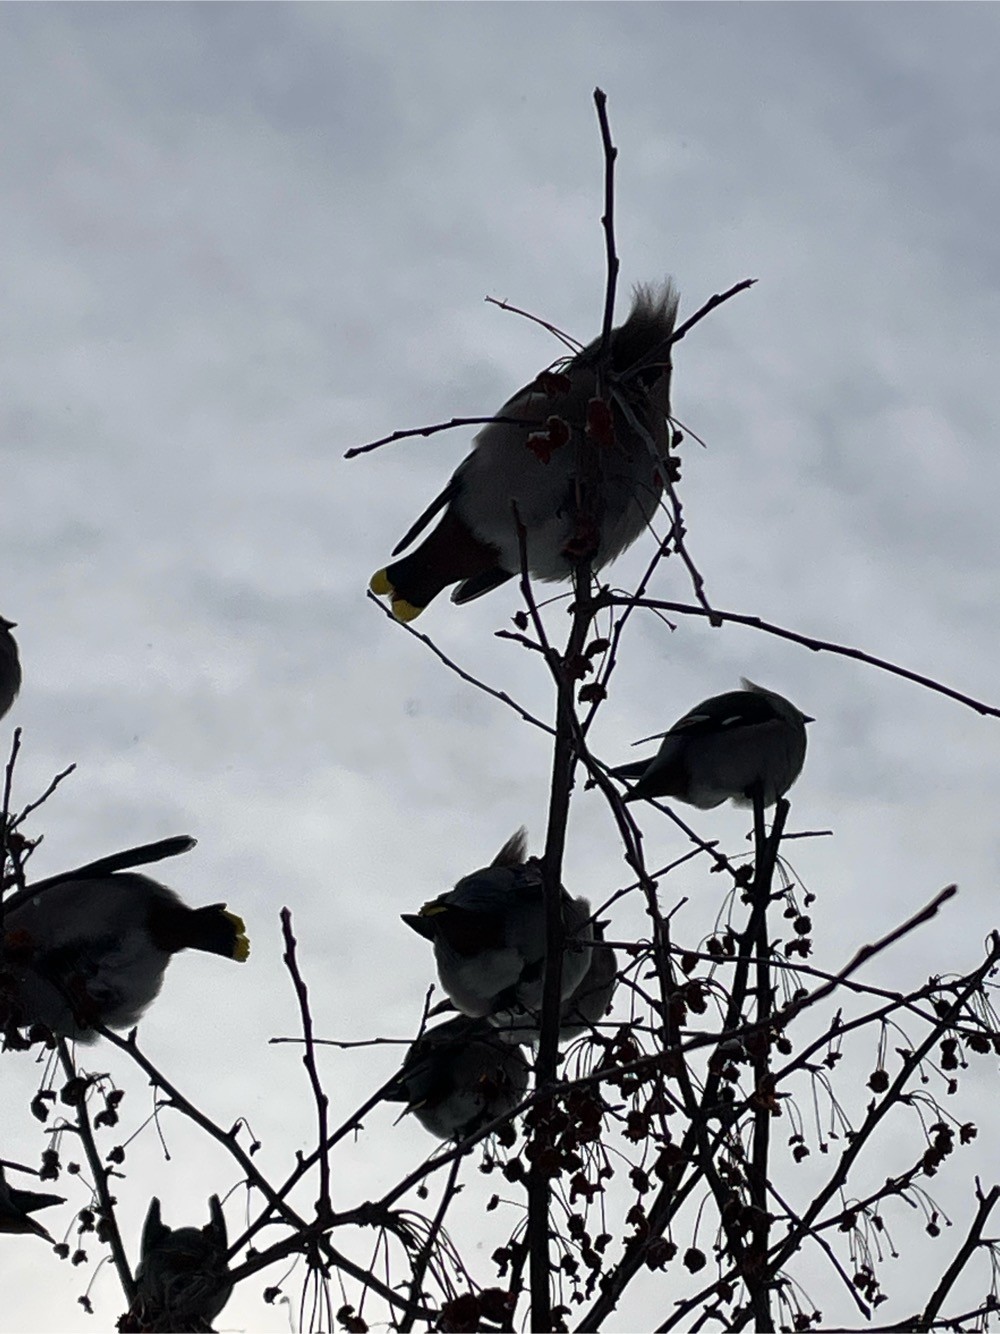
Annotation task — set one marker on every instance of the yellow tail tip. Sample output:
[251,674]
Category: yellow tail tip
[405,611]
[241,948]
[382,588]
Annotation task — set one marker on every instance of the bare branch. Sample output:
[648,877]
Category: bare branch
[807,641]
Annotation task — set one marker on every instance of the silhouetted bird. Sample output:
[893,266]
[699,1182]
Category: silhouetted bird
[457,1077]
[583,1008]
[10,666]
[586,481]
[181,1282]
[489,934]
[91,946]
[725,749]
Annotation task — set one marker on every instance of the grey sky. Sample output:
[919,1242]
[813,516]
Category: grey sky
[237,240]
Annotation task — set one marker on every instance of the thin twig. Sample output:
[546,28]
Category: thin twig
[423,1259]
[657,354]
[433,430]
[877,1111]
[22,815]
[323,1206]
[100,1174]
[501,695]
[573,344]
[678,530]
[713,301]
[608,217]
[809,642]
[972,1241]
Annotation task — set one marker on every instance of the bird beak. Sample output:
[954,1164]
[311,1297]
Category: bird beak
[419,923]
[807,719]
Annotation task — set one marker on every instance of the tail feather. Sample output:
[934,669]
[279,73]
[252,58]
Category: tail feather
[217,931]
[447,555]
[470,589]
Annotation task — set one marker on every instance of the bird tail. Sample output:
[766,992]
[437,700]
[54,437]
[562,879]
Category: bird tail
[217,931]
[449,554]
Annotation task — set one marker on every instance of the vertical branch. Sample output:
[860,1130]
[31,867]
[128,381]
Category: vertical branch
[427,1250]
[563,765]
[323,1207]
[99,1172]
[969,1245]
[756,1262]
[760,893]
[5,849]
[608,217]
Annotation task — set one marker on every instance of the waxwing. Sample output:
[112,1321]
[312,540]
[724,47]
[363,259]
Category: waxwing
[10,666]
[562,442]
[17,1205]
[583,1008]
[489,934]
[726,749]
[457,1077]
[91,946]
[181,1282]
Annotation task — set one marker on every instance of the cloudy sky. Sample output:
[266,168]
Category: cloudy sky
[238,240]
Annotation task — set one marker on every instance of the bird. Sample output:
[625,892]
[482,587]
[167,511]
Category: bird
[489,934]
[728,748]
[458,1076]
[16,1206]
[583,1008]
[90,947]
[10,666]
[181,1282]
[585,480]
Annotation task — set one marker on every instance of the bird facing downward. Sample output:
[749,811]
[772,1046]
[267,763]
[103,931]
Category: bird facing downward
[91,946]
[585,480]
[181,1282]
[489,935]
[726,749]
[10,666]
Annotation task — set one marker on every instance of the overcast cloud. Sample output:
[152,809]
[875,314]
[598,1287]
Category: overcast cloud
[236,241]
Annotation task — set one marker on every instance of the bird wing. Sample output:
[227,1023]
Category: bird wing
[723,713]
[416,528]
[142,855]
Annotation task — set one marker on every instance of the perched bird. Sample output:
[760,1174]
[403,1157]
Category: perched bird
[586,481]
[91,946]
[16,1205]
[181,1282]
[457,1077]
[585,1006]
[489,934]
[10,666]
[727,748]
